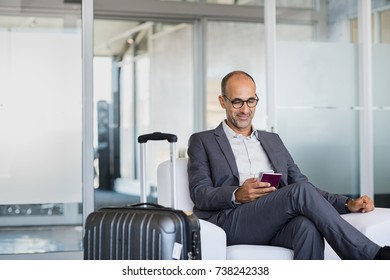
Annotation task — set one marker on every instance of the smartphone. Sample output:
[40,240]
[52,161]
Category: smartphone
[272,178]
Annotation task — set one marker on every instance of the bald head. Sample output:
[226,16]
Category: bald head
[234,74]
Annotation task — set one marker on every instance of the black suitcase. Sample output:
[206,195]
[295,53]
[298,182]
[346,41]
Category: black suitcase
[143,231]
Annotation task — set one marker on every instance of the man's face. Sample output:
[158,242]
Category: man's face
[239,87]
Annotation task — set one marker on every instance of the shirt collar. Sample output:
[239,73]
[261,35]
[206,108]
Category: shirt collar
[231,134]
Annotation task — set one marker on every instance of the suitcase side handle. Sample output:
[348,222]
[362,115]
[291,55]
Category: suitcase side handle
[157,136]
[147,204]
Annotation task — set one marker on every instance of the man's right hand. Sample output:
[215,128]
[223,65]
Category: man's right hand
[252,189]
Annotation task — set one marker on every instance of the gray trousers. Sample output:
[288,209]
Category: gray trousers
[296,217]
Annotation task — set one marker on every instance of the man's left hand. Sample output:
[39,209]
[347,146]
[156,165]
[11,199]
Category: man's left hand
[362,204]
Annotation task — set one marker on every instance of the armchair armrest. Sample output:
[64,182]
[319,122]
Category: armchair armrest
[213,241]
[375,225]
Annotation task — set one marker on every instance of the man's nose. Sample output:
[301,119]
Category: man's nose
[244,108]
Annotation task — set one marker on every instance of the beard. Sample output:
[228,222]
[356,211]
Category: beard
[241,121]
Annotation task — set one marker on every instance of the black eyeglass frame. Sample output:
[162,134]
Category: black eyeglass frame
[242,102]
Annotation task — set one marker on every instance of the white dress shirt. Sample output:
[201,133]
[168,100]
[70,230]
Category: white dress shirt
[250,156]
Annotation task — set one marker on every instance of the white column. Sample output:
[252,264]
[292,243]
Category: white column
[200,70]
[366,93]
[87,103]
[270,67]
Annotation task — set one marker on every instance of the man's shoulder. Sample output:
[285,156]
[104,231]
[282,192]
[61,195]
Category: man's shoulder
[269,137]
[203,134]
[208,133]
[265,133]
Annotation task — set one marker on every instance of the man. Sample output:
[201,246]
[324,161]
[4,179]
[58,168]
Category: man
[223,169]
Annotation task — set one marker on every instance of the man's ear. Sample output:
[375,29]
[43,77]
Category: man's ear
[221,101]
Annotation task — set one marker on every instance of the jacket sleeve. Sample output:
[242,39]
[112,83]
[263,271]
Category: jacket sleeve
[210,188]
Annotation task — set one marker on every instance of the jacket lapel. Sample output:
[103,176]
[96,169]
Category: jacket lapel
[226,149]
[272,155]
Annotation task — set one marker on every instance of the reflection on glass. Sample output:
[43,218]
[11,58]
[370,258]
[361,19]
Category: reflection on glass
[28,240]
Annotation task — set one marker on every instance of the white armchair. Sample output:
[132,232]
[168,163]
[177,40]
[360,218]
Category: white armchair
[375,225]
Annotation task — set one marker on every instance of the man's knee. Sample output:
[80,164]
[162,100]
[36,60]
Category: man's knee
[303,190]
[304,186]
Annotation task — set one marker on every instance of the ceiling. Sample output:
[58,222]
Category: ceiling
[110,37]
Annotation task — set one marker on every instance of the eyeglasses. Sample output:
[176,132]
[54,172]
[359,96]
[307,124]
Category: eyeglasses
[238,103]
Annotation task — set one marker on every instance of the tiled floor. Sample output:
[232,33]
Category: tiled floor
[26,240]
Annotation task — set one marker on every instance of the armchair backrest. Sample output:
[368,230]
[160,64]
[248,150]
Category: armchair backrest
[164,184]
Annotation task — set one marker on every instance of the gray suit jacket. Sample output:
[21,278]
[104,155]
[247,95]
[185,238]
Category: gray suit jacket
[213,174]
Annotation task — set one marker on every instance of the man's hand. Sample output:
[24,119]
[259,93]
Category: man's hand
[362,204]
[252,189]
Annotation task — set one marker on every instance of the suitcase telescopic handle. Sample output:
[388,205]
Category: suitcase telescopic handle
[157,136]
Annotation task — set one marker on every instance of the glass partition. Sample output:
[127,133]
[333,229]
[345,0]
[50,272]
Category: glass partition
[381,101]
[152,88]
[144,75]
[318,96]
[234,46]
[41,124]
